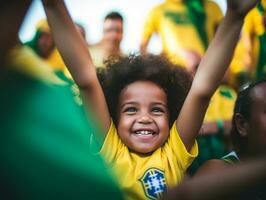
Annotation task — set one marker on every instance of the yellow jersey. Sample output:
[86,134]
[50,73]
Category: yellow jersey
[147,177]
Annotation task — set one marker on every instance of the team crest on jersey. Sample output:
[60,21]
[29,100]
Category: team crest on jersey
[154,183]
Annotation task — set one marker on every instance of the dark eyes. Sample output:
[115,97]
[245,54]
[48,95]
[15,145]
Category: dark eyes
[130,110]
[157,110]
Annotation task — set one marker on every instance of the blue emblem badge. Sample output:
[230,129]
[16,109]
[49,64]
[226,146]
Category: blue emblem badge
[154,183]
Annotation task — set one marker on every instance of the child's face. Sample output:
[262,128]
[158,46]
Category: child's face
[143,117]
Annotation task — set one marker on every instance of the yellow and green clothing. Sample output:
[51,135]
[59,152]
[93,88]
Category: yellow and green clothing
[44,150]
[54,60]
[183,25]
[251,49]
[147,177]
[221,105]
[212,146]
[255,28]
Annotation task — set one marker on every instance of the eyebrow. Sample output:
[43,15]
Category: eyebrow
[129,102]
[136,103]
[159,103]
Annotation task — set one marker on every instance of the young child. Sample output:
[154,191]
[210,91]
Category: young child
[147,154]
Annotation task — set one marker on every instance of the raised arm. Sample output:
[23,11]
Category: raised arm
[76,56]
[211,70]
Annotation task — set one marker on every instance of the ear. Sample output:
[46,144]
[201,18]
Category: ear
[241,124]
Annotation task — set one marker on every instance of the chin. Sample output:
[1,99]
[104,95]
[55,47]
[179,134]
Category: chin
[144,151]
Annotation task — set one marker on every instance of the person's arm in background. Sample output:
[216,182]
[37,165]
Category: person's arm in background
[149,28]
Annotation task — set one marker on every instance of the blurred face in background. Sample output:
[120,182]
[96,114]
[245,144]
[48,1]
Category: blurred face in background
[45,44]
[113,32]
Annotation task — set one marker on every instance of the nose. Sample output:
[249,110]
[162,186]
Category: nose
[145,119]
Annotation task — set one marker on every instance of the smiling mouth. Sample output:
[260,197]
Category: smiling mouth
[145,132]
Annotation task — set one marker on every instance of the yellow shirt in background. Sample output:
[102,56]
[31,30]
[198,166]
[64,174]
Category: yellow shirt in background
[25,60]
[147,177]
[221,105]
[170,20]
[247,50]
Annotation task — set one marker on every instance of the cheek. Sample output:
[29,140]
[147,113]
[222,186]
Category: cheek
[124,122]
[164,124]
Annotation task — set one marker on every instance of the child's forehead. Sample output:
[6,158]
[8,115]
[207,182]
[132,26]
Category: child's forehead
[143,83]
[143,90]
[145,86]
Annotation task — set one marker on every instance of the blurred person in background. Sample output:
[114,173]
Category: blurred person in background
[185,27]
[109,46]
[43,45]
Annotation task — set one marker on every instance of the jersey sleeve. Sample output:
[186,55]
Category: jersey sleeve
[112,144]
[183,157]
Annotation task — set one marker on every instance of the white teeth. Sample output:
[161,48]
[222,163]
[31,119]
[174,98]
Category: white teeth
[144,132]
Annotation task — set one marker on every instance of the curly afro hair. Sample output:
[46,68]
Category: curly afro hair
[120,72]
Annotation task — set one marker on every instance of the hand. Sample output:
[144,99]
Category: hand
[241,7]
